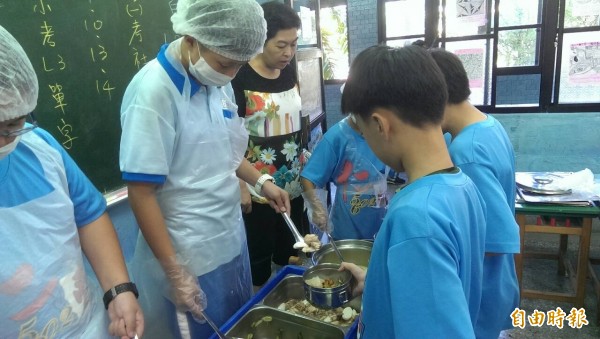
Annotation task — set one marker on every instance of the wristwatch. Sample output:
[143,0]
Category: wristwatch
[260,182]
[121,288]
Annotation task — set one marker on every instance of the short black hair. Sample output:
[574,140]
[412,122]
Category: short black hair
[405,80]
[279,16]
[455,74]
[420,43]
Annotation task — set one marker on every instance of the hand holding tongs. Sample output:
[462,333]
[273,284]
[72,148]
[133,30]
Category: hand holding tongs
[299,238]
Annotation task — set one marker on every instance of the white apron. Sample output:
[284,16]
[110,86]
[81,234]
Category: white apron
[44,292]
[200,200]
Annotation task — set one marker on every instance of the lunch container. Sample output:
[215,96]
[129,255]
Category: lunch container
[328,297]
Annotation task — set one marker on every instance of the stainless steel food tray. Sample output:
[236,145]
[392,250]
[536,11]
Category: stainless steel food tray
[267,322]
[287,284]
[292,287]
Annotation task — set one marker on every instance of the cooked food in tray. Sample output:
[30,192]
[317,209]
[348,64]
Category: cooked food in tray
[337,316]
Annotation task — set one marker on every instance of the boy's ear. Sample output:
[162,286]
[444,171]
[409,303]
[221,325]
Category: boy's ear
[382,120]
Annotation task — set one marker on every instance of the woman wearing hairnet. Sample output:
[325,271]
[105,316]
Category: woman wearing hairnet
[181,148]
[49,213]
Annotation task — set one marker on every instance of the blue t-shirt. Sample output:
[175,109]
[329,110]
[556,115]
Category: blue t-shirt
[484,152]
[344,158]
[424,277]
[22,180]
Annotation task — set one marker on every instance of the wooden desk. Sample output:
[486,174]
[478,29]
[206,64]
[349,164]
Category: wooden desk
[566,227]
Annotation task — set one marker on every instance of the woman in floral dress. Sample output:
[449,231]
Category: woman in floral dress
[267,95]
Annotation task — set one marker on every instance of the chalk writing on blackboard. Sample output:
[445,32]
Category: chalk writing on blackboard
[84,54]
[173,5]
[58,64]
[59,96]
[135,10]
[98,53]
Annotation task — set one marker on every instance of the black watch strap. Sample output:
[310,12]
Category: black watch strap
[113,292]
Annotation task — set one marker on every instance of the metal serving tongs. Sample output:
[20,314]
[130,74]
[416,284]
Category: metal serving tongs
[299,238]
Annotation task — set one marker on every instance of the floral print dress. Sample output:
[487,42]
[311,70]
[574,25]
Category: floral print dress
[272,118]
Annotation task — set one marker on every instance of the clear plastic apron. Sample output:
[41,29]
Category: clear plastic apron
[361,195]
[44,292]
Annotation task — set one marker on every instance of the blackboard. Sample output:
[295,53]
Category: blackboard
[85,52]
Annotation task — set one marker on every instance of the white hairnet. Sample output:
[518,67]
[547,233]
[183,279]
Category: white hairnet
[235,29]
[18,82]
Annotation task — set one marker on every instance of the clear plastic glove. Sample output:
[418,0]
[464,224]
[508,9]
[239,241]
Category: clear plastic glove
[315,201]
[185,292]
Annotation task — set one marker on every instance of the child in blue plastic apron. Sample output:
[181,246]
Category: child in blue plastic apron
[49,213]
[182,151]
[344,158]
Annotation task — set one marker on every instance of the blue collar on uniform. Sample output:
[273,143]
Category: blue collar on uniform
[177,78]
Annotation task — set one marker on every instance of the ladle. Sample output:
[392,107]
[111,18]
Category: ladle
[216,328]
[299,239]
[334,246]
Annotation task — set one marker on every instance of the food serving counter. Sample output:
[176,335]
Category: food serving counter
[263,316]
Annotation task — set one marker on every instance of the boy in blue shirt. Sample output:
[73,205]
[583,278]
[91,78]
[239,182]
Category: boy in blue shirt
[481,148]
[424,277]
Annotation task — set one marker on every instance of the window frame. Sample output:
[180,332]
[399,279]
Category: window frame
[335,80]
[550,33]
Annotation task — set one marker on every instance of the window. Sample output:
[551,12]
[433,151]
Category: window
[334,39]
[528,55]
[518,39]
[330,19]
[307,35]
[404,21]
[579,77]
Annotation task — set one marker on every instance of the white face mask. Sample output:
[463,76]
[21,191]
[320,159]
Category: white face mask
[8,148]
[207,75]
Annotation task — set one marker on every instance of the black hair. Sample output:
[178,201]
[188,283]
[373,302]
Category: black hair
[420,43]
[404,80]
[455,74]
[279,16]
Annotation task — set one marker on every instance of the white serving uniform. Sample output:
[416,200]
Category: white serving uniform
[194,139]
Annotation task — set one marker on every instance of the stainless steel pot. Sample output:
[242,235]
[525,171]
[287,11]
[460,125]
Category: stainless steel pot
[354,251]
[328,297]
